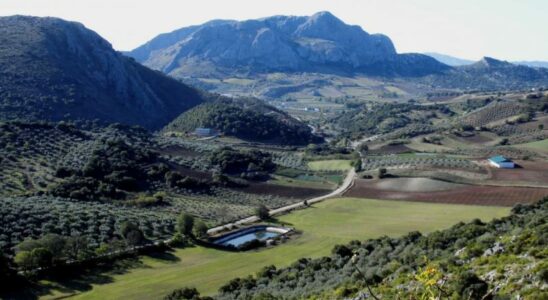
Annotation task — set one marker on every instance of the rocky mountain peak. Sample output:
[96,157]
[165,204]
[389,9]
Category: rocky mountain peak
[317,43]
[324,18]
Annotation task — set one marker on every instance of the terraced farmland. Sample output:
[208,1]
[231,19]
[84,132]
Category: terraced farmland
[493,112]
[410,161]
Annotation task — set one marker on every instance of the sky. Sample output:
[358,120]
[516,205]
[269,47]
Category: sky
[470,29]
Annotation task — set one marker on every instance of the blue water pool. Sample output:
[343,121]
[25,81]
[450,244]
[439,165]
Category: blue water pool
[243,236]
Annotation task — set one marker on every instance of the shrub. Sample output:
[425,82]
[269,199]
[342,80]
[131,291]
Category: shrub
[341,250]
[470,286]
[185,223]
[131,233]
[183,294]
[262,212]
[179,240]
[200,230]
[382,173]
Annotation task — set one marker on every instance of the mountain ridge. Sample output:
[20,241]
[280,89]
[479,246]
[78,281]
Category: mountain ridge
[491,74]
[52,69]
[457,61]
[448,59]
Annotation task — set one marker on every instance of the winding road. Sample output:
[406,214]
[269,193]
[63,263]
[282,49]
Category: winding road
[347,183]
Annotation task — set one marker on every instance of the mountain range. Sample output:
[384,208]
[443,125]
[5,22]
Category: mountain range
[455,61]
[51,69]
[490,74]
[317,43]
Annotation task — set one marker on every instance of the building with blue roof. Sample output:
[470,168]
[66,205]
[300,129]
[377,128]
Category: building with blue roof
[502,162]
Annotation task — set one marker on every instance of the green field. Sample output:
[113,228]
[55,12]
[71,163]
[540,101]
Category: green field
[327,182]
[538,145]
[324,225]
[330,165]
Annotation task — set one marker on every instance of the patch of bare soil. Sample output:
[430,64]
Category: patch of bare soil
[414,184]
[464,194]
[527,171]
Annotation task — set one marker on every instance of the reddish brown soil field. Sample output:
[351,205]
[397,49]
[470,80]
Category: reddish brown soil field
[529,171]
[283,191]
[475,139]
[469,194]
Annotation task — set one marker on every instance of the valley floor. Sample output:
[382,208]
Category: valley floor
[324,225]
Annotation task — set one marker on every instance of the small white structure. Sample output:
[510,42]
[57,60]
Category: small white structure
[502,162]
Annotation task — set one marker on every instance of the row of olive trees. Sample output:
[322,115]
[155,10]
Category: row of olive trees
[54,249]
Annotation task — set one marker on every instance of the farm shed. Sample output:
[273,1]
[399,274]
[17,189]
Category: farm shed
[502,162]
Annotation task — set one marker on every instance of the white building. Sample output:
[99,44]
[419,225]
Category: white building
[502,162]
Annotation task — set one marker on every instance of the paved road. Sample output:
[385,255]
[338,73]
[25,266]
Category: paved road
[347,183]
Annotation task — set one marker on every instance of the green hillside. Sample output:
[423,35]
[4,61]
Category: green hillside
[51,69]
[497,260]
[247,119]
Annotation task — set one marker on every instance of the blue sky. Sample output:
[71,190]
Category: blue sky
[505,29]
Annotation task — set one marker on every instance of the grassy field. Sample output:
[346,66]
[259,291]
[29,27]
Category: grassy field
[330,165]
[324,225]
[315,182]
[538,145]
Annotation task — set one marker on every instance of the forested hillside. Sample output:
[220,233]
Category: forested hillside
[247,119]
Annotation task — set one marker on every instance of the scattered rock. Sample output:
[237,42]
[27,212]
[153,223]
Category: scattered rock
[496,249]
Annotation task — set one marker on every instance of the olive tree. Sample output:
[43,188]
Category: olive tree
[262,212]
[185,223]
[200,230]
